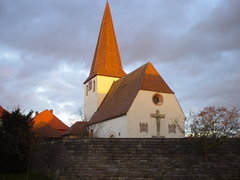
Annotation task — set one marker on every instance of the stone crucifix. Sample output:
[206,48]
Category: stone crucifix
[158,117]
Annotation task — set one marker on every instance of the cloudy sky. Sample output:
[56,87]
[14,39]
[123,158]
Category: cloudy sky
[46,49]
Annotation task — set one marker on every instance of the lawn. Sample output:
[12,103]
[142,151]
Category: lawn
[23,177]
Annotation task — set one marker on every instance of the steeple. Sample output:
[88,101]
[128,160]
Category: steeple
[106,60]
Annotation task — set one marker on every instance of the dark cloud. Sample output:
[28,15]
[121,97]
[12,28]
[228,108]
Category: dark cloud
[57,28]
[46,48]
[166,38]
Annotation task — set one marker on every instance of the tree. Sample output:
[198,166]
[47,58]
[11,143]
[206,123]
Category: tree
[98,130]
[211,127]
[16,138]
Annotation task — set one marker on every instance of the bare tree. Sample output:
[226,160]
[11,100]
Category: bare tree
[211,127]
[94,131]
[98,130]
[78,115]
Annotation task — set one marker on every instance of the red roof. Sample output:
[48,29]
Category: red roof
[122,93]
[78,128]
[106,61]
[47,131]
[48,118]
[1,111]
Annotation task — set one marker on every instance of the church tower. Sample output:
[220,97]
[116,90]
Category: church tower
[106,66]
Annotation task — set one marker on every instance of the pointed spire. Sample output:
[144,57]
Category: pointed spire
[106,60]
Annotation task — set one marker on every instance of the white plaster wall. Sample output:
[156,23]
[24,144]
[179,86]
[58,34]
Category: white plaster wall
[143,106]
[112,127]
[90,101]
[94,98]
[103,84]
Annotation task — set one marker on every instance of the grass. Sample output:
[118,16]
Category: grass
[23,177]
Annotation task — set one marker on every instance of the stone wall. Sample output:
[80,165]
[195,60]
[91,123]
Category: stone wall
[148,159]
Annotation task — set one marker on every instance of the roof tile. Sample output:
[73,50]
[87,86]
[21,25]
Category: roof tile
[78,128]
[46,117]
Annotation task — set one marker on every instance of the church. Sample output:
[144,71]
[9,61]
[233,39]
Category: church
[119,105]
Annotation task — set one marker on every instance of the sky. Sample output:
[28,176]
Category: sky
[47,47]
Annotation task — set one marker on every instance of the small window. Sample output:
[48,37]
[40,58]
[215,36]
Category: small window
[157,99]
[93,86]
[171,128]
[91,133]
[143,127]
[86,90]
[90,85]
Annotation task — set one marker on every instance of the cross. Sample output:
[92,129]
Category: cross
[158,117]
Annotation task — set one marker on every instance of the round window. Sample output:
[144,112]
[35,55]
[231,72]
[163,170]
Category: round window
[157,99]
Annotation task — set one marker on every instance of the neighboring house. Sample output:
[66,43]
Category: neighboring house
[116,104]
[1,111]
[77,130]
[47,125]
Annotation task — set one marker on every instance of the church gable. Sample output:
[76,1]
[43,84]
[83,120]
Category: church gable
[150,119]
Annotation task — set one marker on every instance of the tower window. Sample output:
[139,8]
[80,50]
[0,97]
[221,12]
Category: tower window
[90,85]
[93,86]
[86,90]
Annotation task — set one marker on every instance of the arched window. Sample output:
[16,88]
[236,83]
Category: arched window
[91,133]
[93,86]
[90,85]
[86,90]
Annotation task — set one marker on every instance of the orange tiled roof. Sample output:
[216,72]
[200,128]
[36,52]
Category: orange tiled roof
[106,61]
[123,92]
[47,131]
[47,117]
